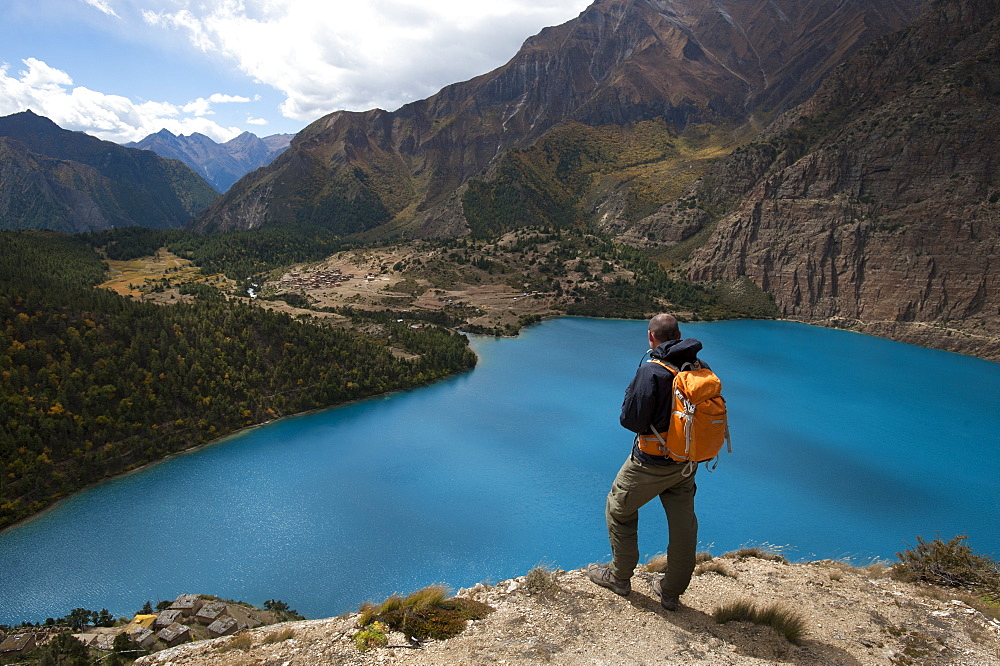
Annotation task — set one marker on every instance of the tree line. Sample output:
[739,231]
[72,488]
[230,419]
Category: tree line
[94,384]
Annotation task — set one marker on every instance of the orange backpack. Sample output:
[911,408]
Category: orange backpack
[698,424]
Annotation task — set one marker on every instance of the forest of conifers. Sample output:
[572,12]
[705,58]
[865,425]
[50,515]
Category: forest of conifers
[94,384]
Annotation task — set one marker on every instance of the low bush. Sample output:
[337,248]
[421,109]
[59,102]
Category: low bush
[371,636]
[950,564]
[427,613]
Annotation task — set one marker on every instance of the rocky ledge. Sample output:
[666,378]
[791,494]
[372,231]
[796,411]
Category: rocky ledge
[852,616]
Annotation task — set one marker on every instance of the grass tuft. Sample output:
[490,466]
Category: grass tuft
[786,621]
[657,563]
[279,636]
[241,641]
[714,566]
[541,580]
[759,553]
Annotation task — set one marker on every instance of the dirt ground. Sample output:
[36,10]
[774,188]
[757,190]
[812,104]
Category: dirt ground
[368,280]
[853,617]
[363,279]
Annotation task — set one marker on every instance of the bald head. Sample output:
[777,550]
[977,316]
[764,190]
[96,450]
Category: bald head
[663,328]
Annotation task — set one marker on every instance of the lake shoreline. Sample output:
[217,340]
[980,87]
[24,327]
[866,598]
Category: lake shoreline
[223,438]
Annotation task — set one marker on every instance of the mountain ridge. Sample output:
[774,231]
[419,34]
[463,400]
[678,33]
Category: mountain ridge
[221,164]
[620,61]
[57,179]
[876,206]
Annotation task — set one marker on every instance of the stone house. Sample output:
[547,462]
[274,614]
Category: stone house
[167,618]
[188,604]
[175,634]
[211,612]
[224,626]
[17,643]
[87,639]
[143,637]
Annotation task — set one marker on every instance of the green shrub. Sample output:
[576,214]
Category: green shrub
[427,613]
[372,636]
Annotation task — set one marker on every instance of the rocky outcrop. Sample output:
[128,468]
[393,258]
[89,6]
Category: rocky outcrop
[620,61]
[878,207]
[849,616]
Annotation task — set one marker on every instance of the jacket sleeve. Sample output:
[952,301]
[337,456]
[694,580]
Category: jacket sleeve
[639,407]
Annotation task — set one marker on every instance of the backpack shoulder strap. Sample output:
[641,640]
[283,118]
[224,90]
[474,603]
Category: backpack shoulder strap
[664,364]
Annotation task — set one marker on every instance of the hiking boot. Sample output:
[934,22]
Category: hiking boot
[670,602]
[601,575]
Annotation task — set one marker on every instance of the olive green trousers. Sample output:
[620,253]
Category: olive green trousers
[636,484]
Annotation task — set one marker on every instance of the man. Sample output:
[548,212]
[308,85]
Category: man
[644,476]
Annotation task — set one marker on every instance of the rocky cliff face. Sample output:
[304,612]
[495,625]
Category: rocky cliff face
[878,206]
[620,61]
[51,178]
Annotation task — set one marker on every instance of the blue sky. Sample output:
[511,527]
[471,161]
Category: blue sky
[123,69]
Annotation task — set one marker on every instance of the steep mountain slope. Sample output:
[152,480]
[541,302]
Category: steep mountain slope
[878,206]
[621,61]
[51,178]
[220,164]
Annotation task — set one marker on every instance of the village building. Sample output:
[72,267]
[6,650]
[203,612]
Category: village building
[175,634]
[224,626]
[211,612]
[167,618]
[140,621]
[87,639]
[17,643]
[188,604]
[143,637]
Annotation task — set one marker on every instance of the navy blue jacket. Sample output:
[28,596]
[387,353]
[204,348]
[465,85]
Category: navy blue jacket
[649,397]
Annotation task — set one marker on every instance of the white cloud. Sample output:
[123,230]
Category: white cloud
[49,92]
[358,55]
[39,75]
[203,107]
[256,121]
[103,6]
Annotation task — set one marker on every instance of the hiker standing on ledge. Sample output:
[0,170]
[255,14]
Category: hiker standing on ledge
[644,476]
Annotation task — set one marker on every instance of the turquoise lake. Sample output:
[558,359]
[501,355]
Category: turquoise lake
[845,446]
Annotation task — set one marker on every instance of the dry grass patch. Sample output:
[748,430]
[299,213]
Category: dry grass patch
[241,641]
[783,619]
[279,636]
[541,580]
[715,566]
[759,553]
